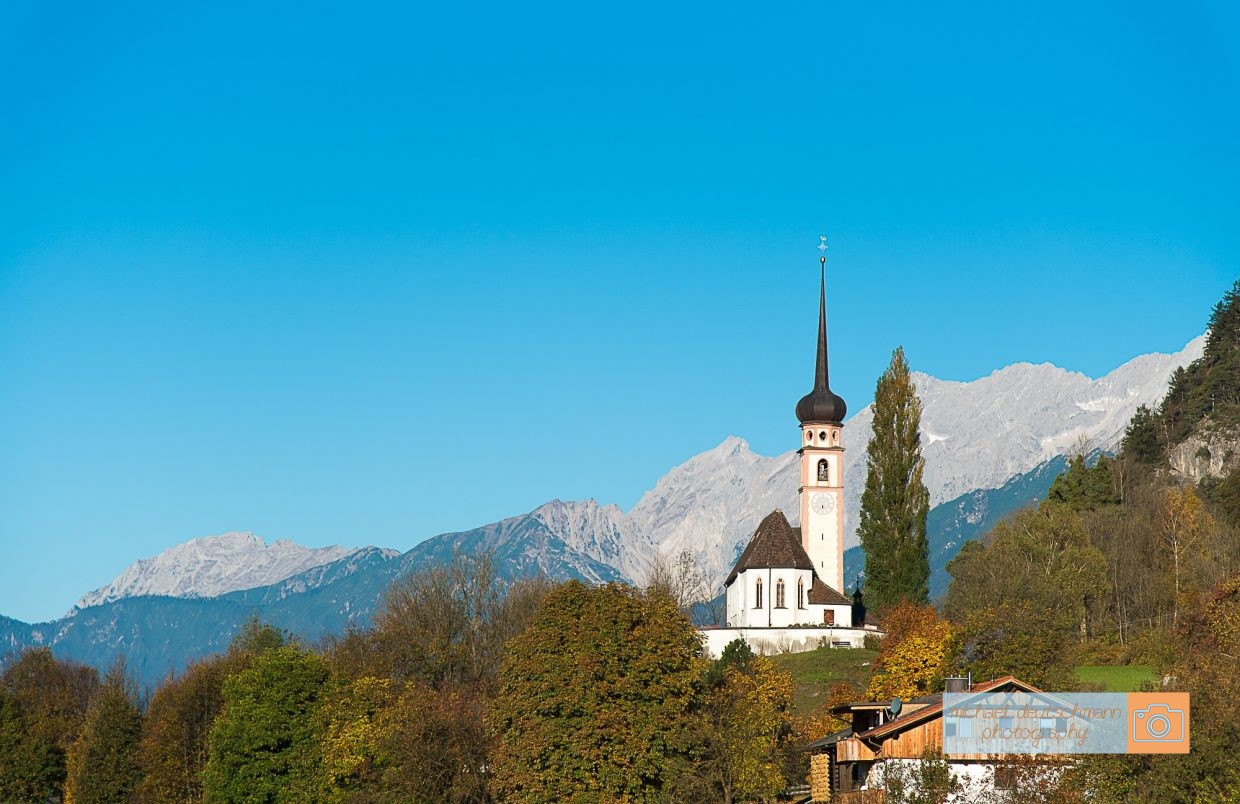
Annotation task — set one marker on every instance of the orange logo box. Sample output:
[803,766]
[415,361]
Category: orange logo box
[1158,722]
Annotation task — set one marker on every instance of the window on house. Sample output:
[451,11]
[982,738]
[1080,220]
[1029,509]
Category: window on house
[757,594]
[779,594]
[1005,777]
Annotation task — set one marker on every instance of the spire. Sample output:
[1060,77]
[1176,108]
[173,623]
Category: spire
[821,404]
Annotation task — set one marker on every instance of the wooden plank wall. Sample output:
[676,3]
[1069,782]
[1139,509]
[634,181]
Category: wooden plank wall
[914,742]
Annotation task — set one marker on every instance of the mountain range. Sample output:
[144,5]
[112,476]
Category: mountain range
[991,446]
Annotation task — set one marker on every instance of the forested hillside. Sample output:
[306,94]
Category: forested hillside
[1133,560]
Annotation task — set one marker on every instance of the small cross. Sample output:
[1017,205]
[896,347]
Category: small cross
[822,246]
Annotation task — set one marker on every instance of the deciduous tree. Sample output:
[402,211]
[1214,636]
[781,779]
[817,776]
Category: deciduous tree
[895,502]
[912,657]
[746,730]
[598,698]
[448,624]
[263,744]
[43,703]
[103,761]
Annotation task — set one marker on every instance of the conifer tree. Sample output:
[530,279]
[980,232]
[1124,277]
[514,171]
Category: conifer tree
[895,501]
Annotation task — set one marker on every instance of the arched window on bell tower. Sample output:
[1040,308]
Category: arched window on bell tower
[824,471]
[757,593]
[801,593]
[779,594]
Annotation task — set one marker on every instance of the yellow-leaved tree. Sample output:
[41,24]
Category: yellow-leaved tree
[912,658]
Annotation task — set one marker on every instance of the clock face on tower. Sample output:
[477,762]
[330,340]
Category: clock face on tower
[822,503]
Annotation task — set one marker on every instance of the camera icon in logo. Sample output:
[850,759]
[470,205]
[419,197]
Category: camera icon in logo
[1158,723]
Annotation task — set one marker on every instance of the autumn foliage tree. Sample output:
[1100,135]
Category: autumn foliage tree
[598,698]
[745,737]
[1182,527]
[43,705]
[912,657]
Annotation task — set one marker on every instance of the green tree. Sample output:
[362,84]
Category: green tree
[1038,556]
[1017,639]
[103,762]
[598,698]
[1208,644]
[263,744]
[1141,442]
[30,768]
[895,501]
[1085,488]
[174,747]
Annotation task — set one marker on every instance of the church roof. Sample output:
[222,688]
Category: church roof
[822,595]
[822,404]
[775,544]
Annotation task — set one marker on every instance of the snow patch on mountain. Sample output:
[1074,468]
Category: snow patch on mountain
[1005,424]
[975,435]
[214,565]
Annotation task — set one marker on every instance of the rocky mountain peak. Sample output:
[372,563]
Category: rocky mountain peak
[213,565]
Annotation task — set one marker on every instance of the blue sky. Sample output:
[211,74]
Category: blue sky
[367,274]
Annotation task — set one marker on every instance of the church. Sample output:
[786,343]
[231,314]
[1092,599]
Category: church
[786,591]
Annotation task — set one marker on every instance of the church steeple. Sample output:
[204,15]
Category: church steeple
[822,460]
[822,405]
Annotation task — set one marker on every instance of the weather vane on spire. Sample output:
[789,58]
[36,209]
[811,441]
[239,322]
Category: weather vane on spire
[822,246]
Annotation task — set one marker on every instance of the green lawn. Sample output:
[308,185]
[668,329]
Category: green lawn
[816,671]
[1123,678]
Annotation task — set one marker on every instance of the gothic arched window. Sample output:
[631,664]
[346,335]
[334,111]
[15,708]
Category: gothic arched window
[757,594]
[801,594]
[779,594]
[824,470]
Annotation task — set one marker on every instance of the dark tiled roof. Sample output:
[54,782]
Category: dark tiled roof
[822,595]
[830,739]
[774,544]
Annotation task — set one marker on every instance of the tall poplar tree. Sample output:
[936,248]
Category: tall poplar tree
[895,501]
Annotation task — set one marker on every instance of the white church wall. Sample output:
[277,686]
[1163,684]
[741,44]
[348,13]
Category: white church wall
[771,641]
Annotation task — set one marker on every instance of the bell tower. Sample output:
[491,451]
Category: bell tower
[821,413]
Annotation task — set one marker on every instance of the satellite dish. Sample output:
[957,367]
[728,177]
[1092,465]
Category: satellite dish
[895,707]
